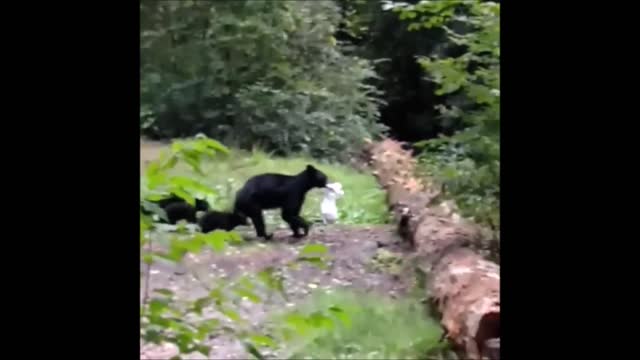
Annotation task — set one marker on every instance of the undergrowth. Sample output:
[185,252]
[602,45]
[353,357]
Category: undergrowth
[362,204]
[378,328]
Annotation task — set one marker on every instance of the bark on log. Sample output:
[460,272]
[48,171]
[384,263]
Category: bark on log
[464,288]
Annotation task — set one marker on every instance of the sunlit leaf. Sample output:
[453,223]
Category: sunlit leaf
[178,191]
[215,239]
[165,292]
[319,320]
[207,327]
[262,340]
[231,314]
[251,349]
[158,305]
[341,315]
[213,144]
[313,249]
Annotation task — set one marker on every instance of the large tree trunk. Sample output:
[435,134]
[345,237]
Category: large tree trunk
[464,288]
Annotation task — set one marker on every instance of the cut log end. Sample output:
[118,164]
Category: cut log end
[492,349]
[488,335]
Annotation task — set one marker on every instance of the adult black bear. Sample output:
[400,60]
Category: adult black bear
[178,209]
[213,220]
[272,191]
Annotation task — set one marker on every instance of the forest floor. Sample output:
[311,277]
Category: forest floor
[352,266]
[352,251]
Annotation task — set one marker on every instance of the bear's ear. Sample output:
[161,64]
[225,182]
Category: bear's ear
[310,167]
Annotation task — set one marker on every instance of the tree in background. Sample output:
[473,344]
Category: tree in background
[467,162]
[255,72]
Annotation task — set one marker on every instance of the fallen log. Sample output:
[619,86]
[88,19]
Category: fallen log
[464,288]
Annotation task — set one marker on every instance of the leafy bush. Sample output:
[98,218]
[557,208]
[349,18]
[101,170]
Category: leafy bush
[254,72]
[468,163]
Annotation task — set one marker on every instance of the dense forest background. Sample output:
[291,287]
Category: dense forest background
[295,82]
[318,77]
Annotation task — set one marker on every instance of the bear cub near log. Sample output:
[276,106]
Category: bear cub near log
[214,220]
[273,191]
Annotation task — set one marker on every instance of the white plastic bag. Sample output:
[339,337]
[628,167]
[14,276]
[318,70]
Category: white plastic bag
[328,207]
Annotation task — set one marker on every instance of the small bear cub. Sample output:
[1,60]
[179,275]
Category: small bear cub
[214,220]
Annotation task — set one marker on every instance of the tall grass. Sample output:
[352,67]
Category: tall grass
[379,328]
[363,202]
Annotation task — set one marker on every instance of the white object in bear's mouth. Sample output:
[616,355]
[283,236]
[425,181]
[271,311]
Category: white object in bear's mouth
[328,207]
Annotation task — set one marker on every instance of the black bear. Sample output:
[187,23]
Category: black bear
[272,191]
[178,209]
[213,220]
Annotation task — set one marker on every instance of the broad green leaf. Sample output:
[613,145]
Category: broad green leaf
[153,336]
[202,349]
[341,315]
[215,145]
[170,163]
[231,314]
[147,258]
[165,292]
[262,340]
[297,322]
[185,341]
[177,146]
[154,208]
[178,191]
[175,253]
[215,239]
[414,27]
[158,305]
[207,327]
[192,159]
[251,349]
[155,180]
[234,237]
[200,303]
[314,249]
[188,183]
[193,244]
[218,296]
[153,197]
[152,170]
[319,320]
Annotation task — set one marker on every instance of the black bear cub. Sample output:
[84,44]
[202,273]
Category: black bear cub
[272,191]
[213,220]
[178,209]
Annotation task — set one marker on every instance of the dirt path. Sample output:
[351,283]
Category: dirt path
[351,248]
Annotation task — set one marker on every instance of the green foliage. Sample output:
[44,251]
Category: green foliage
[348,325]
[163,316]
[363,202]
[244,71]
[468,162]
